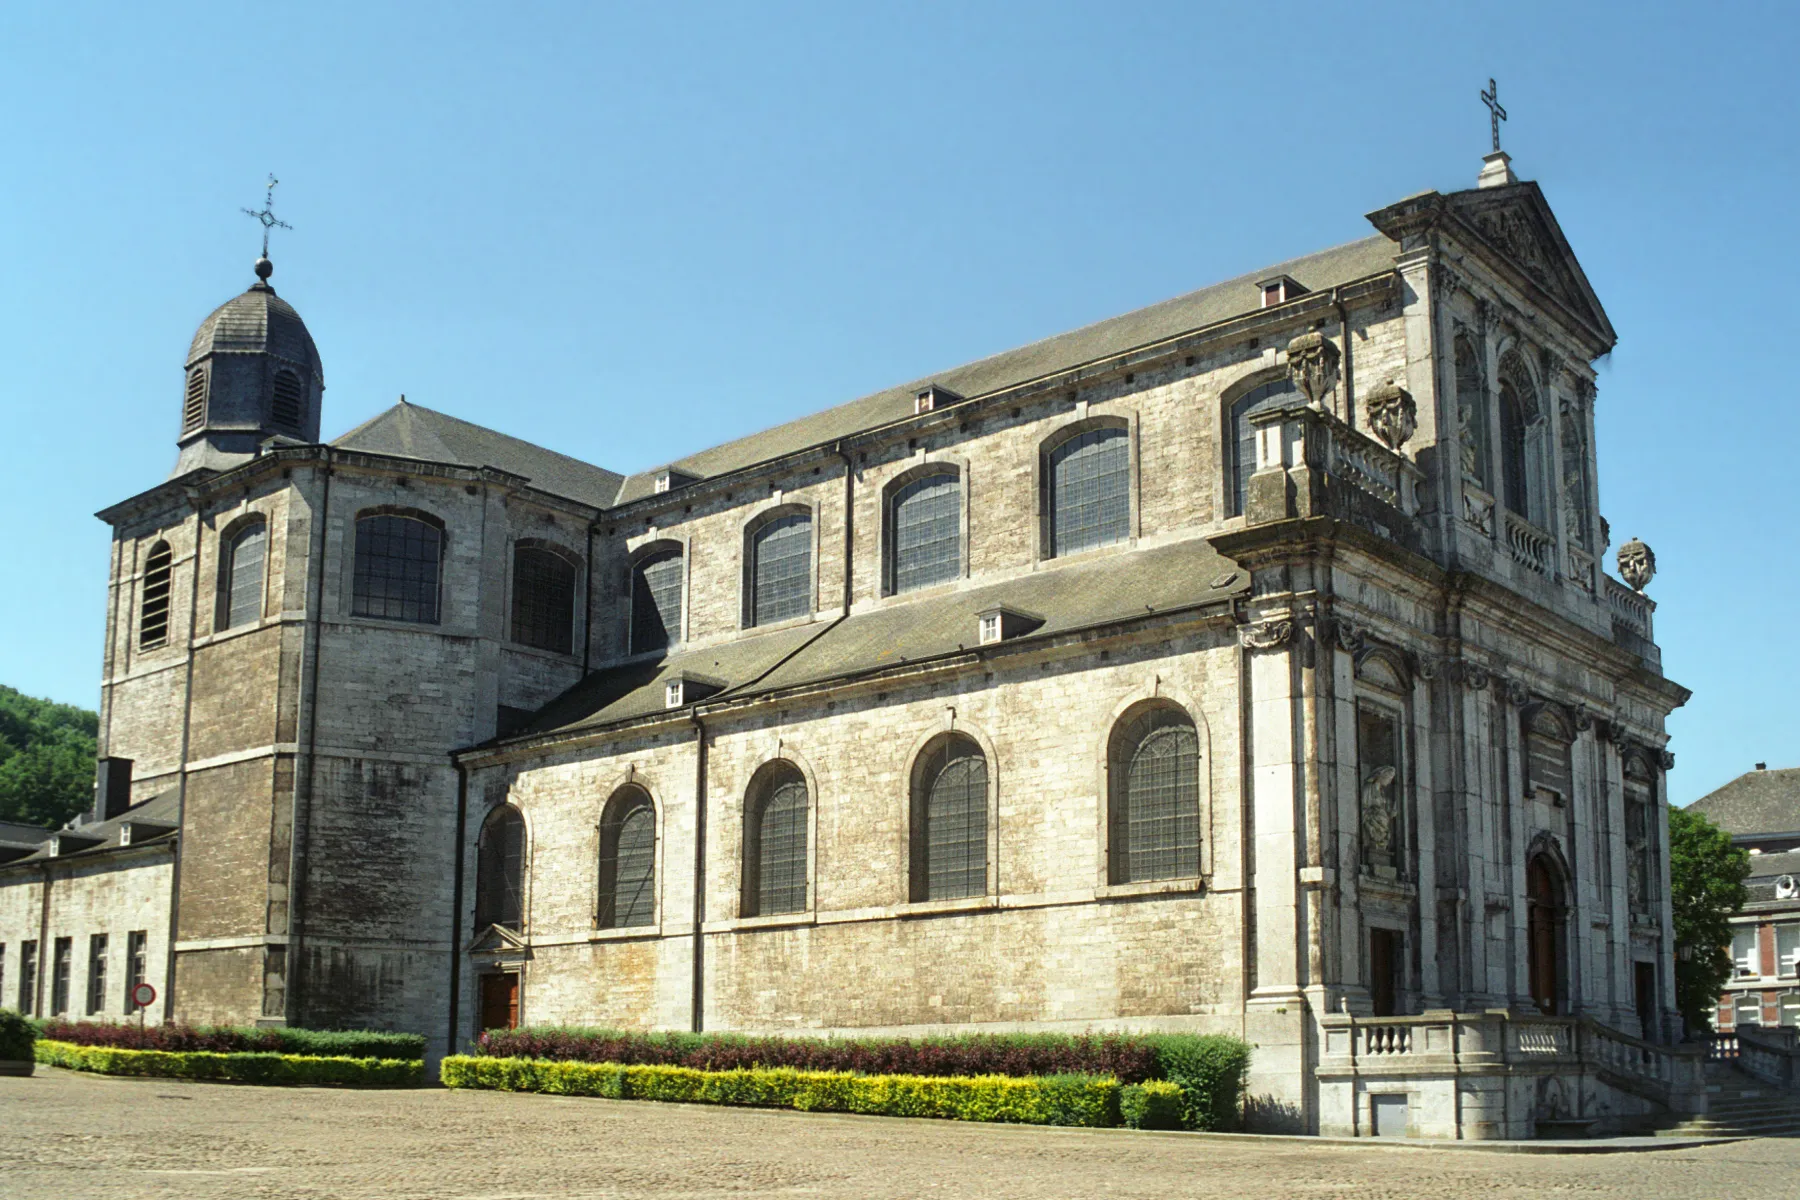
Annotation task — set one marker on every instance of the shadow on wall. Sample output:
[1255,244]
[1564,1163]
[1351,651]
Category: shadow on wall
[1266,1114]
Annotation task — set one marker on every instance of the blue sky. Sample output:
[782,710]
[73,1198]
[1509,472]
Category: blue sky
[628,232]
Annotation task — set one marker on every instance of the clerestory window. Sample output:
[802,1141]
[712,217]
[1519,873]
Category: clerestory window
[781,568]
[1089,502]
[398,559]
[1154,800]
[656,600]
[241,576]
[543,599]
[925,531]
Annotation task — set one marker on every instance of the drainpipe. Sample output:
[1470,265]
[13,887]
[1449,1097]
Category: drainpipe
[456,901]
[698,999]
[1349,368]
[301,810]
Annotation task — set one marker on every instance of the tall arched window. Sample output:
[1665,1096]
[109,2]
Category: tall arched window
[193,403]
[781,568]
[398,559]
[1277,393]
[543,599]
[1089,503]
[1154,822]
[1472,413]
[284,411]
[500,870]
[656,600]
[241,576]
[153,603]
[949,820]
[925,531]
[628,860]
[775,841]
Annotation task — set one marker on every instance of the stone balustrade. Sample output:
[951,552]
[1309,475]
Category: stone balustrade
[1529,546]
[1311,464]
[1769,1054]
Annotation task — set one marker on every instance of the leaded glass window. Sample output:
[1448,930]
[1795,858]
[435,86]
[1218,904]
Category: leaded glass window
[628,862]
[656,600]
[1277,393]
[241,577]
[543,601]
[1514,478]
[1090,491]
[1472,412]
[925,532]
[397,564]
[775,858]
[1155,783]
[500,870]
[781,569]
[949,858]
[153,607]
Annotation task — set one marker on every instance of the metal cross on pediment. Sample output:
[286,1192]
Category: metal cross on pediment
[267,215]
[1496,114]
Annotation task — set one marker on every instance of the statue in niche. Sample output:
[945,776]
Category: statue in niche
[1378,818]
[1635,874]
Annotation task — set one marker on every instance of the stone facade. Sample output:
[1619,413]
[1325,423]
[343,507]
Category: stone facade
[1354,553]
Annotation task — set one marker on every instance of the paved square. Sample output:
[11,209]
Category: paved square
[67,1137]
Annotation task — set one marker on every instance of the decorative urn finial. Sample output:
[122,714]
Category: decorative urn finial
[1392,414]
[1312,362]
[1637,564]
[264,268]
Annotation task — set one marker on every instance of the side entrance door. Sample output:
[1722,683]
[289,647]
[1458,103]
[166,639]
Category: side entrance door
[500,1001]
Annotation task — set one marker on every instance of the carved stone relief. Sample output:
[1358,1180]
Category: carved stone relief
[1313,363]
[1378,816]
[1392,414]
[1637,564]
[1267,635]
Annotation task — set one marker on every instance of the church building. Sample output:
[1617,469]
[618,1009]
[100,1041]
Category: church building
[1246,663]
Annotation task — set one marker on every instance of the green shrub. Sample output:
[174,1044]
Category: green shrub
[1045,1100]
[289,1069]
[1156,1104]
[235,1039]
[17,1033]
[1210,1069]
[352,1043]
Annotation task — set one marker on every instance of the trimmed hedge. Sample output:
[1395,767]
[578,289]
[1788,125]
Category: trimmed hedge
[294,1069]
[228,1039]
[1211,1073]
[17,1033]
[1048,1100]
[1157,1104]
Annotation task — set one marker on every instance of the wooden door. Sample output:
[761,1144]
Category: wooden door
[1644,976]
[1544,902]
[499,1001]
[1384,970]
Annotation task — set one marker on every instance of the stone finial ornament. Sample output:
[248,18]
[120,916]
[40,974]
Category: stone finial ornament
[1313,362]
[1637,564]
[1392,414]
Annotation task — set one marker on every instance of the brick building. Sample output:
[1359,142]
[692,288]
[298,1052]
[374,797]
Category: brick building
[1239,663]
[1761,811]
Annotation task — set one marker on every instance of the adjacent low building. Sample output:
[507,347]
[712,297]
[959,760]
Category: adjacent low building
[1760,809]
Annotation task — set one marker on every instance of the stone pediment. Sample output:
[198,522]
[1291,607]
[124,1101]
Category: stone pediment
[500,942]
[1514,225]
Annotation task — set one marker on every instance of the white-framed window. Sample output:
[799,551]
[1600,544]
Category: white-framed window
[1746,960]
[1787,949]
[1749,1008]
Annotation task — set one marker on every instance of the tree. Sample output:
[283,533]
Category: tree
[1706,875]
[46,759]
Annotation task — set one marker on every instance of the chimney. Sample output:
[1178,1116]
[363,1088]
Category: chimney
[1762,766]
[112,788]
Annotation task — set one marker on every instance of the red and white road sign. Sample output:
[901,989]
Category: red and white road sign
[143,995]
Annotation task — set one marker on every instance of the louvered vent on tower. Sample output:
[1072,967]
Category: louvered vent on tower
[284,413]
[193,409]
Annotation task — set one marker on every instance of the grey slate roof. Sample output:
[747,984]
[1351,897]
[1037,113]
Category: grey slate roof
[413,431]
[1755,802]
[255,322]
[1101,590]
[1329,268]
[160,809]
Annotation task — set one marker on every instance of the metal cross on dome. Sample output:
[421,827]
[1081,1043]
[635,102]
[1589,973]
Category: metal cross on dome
[267,215]
[1496,114]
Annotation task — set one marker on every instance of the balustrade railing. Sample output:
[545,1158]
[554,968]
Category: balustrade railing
[1529,546]
[1770,1055]
[1630,609]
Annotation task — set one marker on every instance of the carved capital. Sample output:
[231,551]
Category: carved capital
[1426,667]
[1392,414]
[1476,677]
[1313,362]
[1517,694]
[1582,716]
[1266,635]
[1345,635]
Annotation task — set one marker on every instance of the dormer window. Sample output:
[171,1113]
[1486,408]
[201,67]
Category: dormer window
[932,398]
[668,479]
[1281,289]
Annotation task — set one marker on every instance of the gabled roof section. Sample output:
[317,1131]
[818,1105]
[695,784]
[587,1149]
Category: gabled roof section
[1514,224]
[413,431]
[1107,589]
[1235,297]
[1755,802]
[155,821]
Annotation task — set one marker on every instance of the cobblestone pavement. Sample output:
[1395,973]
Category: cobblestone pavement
[73,1136]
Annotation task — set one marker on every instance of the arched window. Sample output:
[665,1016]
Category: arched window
[1516,413]
[1547,742]
[398,559]
[241,576]
[656,600]
[1472,413]
[1277,393]
[153,604]
[1574,476]
[284,412]
[628,860]
[193,403]
[1154,822]
[949,820]
[543,600]
[775,842]
[500,870]
[1090,490]
[925,531]
[781,568]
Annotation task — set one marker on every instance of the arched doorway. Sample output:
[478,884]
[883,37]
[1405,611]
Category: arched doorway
[1544,901]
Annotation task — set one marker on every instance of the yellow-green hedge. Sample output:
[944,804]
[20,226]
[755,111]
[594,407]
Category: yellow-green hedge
[233,1068]
[1042,1100]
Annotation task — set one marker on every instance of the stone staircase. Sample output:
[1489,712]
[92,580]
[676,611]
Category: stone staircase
[1740,1105]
